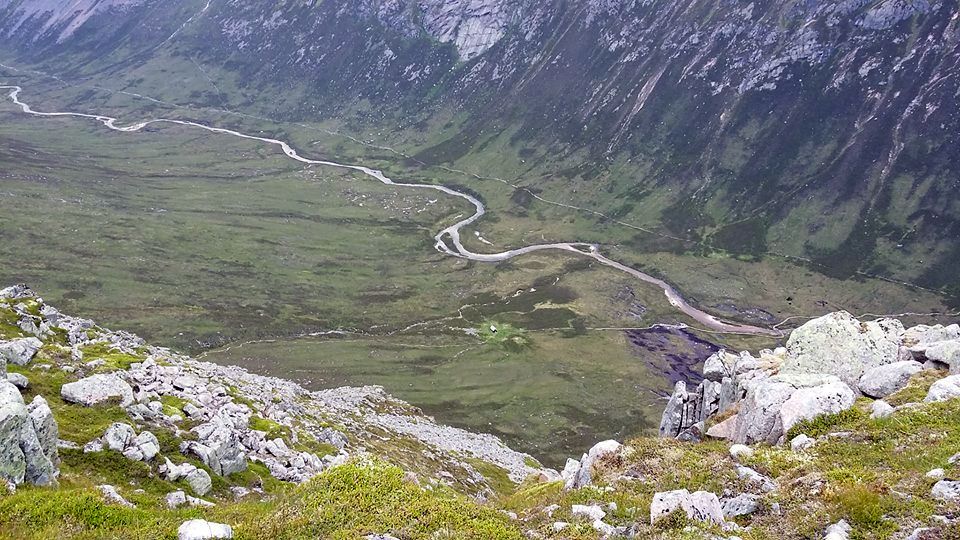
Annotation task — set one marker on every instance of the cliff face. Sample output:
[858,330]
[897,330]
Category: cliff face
[821,130]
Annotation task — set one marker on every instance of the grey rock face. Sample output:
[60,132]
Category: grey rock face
[98,389]
[774,405]
[840,345]
[45,426]
[698,506]
[118,436]
[219,448]
[19,351]
[945,353]
[741,505]
[22,456]
[199,481]
[944,389]
[881,381]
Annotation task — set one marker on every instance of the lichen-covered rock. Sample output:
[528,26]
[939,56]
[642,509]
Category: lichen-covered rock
[118,436]
[22,456]
[199,481]
[946,490]
[45,426]
[19,351]
[582,476]
[774,405]
[698,506]
[881,381]
[98,389]
[838,344]
[19,380]
[741,505]
[880,409]
[944,389]
[218,447]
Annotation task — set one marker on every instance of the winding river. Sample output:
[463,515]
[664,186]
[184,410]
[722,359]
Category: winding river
[447,240]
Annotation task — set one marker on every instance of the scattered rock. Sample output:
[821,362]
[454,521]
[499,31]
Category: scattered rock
[756,479]
[199,481]
[98,389]
[591,512]
[741,505]
[118,436]
[936,474]
[946,490]
[944,389]
[176,499]
[18,380]
[739,451]
[198,529]
[112,496]
[840,345]
[698,506]
[881,381]
[579,473]
[801,442]
[838,531]
[19,351]
[880,409]
[924,533]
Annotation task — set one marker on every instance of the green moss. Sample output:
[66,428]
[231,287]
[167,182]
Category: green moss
[916,390]
[273,429]
[173,405]
[821,425]
[363,498]
[113,359]
[497,477]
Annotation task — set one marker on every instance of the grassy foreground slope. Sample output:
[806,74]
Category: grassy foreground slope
[873,473]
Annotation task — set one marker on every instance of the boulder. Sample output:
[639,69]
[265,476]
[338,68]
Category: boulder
[98,389]
[583,475]
[946,490]
[590,512]
[755,479]
[774,405]
[118,436]
[698,506]
[19,351]
[944,389]
[22,456]
[741,505]
[801,442]
[147,444]
[199,481]
[219,448]
[198,529]
[840,345]
[723,430]
[112,496]
[881,381]
[942,352]
[45,426]
[923,334]
[19,380]
[880,409]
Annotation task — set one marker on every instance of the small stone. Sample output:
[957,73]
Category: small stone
[175,499]
[112,496]
[944,389]
[591,512]
[198,529]
[838,531]
[946,490]
[118,436]
[741,451]
[741,505]
[936,474]
[880,409]
[801,442]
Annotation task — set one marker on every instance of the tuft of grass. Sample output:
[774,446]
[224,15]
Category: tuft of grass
[506,335]
[113,359]
[823,424]
[362,498]
[916,390]
[274,430]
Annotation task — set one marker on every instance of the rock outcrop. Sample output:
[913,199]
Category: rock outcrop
[698,506]
[98,389]
[28,443]
[825,365]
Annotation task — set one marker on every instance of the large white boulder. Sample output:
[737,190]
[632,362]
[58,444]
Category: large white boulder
[946,490]
[944,389]
[944,352]
[98,389]
[198,529]
[698,506]
[19,351]
[840,345]
[774,405]
[881,381]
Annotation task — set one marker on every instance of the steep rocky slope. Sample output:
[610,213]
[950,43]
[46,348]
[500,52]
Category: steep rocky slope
[123,438]
[820,130]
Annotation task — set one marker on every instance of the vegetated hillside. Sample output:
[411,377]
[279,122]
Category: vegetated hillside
[826,131]
[123,438]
